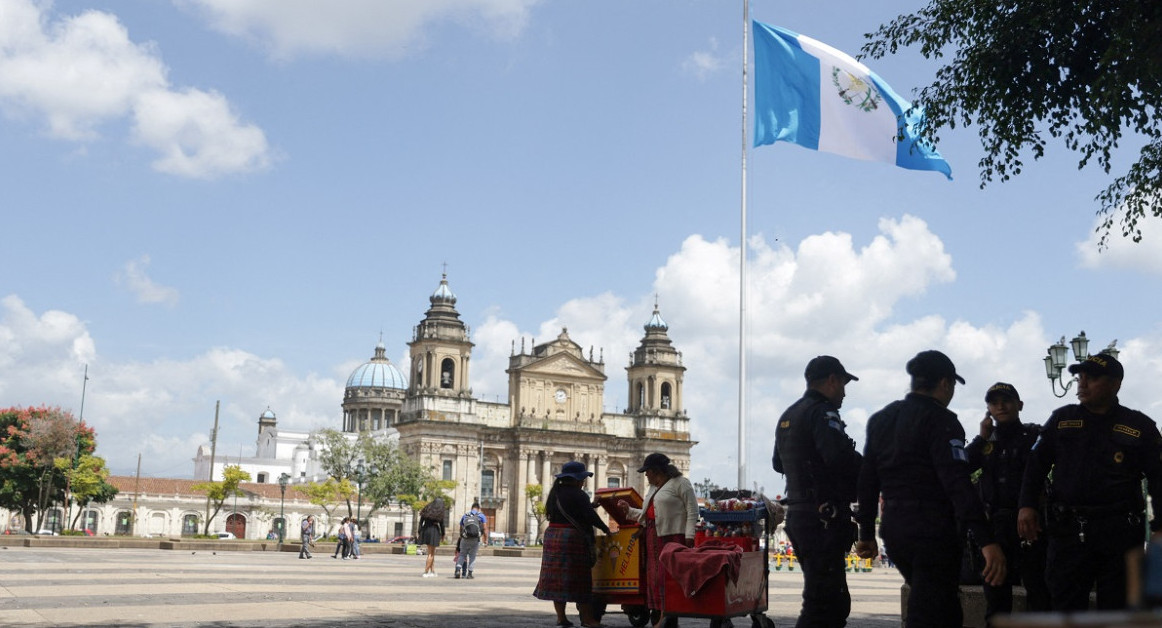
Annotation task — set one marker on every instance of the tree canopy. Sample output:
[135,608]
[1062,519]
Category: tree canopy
[43,450]
[219,492]
[1027,71]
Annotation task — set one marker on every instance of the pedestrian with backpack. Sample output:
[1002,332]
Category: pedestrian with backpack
[473,527]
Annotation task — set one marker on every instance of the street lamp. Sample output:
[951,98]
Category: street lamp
[282,480]
[1055,362]
[362,473]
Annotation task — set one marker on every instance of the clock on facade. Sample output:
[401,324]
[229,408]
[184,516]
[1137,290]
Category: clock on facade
[561,395]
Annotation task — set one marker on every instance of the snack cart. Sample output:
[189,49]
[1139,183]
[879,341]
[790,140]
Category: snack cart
[619,577]
[739,522]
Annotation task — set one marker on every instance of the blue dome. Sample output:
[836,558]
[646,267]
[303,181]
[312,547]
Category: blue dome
[378,373]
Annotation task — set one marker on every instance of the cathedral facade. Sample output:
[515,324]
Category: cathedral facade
[554,414]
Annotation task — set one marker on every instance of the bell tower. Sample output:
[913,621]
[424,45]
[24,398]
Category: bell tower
[440,350]
[655,372]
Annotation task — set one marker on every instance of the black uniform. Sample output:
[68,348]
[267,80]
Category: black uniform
[1001,460]
[914,456]
[1096,511]
[821,465]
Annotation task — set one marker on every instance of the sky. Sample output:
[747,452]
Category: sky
[231,200]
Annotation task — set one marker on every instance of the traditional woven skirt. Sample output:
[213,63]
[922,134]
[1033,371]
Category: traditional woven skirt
[654,583]
[566,575]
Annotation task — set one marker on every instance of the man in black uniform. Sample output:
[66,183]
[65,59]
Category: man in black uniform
[914,455]
[1000,452]
[821,465]
[1099,451]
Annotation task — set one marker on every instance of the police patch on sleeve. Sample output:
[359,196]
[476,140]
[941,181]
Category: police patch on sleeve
[833,420]
[958,452]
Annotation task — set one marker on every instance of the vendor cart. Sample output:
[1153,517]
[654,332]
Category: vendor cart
[619,575]
[722,597]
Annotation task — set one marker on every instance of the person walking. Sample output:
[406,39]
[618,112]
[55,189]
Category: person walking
[432,518]
[1000,452]
[473,527]
[307,534]
[342,545]
[669,514]
[821,466]
[353,538]
[1099,452]
[567,558]
[914,456]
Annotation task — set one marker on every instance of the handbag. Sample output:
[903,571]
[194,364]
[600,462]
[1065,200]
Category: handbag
[590,542]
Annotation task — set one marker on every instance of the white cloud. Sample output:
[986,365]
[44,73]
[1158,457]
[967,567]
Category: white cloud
[79,72]
[1123,252]
[704,63]
[134,277]
[828,295]
[359,28]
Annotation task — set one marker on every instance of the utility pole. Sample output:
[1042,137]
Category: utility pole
[136,485]
[213,450]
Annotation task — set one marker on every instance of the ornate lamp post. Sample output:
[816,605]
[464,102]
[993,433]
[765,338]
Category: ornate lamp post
[282,480]
[1055,362]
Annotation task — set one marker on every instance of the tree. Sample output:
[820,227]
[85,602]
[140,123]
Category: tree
[535,494]
[339,456]
[85,476]
[327,495]
[1086,73]
[219,492]
[31,439]
[396,474]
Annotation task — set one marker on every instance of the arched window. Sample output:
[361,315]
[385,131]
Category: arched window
[613,482]
[665,395]
[236,524]
[189,525]
[124,523]
[53,520]
[447,372]
[488,483]
[641,395]
[90,521]
[262,478]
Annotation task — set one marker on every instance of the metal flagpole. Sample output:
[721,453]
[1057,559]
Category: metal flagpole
[742,262]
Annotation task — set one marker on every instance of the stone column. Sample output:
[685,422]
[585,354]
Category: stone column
[598,469]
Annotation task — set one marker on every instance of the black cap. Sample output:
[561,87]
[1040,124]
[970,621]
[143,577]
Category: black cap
[1099,364]
[933,365]
[655,461]
[823,366]
[1001,388]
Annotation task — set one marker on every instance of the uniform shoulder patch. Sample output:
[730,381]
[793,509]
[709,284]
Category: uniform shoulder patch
[958,452]
[1070,424]
[1127,430]
[785,424]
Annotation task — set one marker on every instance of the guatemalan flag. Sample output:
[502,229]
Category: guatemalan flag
[813,95]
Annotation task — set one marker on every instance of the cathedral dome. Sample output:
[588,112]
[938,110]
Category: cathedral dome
[378,373]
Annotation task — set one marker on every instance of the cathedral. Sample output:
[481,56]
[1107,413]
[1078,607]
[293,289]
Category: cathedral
[494,450]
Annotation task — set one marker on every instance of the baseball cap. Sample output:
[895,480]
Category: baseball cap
[655,461]
[1001,388]
[933,365]
[1099,364]
[823,366]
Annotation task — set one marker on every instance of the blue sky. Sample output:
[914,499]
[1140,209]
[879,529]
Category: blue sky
[232,199]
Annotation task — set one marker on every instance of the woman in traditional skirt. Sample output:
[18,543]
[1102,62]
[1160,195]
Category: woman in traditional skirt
[432,532]
[566,566]
[668,515]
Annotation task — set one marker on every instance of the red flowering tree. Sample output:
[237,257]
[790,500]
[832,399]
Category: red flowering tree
[38,446]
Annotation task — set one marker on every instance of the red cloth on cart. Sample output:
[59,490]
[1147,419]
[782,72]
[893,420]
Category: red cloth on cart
[693,567]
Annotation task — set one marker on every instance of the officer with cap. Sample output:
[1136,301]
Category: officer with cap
[914,455]
[821,466]
[999,453]
[1099,451]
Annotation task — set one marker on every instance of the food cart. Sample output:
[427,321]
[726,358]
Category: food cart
[619,577]
[732,522]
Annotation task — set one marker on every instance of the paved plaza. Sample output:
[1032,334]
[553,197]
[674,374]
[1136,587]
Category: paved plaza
[149,587]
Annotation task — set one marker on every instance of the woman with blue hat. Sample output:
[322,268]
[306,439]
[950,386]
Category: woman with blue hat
[567,557]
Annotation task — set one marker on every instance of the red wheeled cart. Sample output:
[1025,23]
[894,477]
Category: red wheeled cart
[720,598]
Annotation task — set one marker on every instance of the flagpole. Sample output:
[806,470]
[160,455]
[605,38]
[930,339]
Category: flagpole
[742,263]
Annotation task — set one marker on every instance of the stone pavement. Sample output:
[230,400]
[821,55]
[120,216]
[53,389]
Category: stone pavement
[146,587]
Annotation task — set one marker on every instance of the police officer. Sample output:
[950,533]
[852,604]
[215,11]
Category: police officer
[821,465]
[1099,451]
[999,453]
[914,455]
